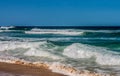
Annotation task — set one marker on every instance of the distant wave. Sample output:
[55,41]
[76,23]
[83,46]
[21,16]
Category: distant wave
[6,27]
[51,31]
[101,31]
[5,30]
[11,31]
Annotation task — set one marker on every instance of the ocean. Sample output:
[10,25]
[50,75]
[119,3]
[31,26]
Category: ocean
[94,48]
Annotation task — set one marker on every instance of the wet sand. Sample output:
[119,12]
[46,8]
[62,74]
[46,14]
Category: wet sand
[17,70]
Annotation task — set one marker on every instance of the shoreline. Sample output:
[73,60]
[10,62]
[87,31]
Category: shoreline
[42,69]
[26,70]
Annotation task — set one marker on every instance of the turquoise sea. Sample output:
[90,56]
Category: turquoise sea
[90,48]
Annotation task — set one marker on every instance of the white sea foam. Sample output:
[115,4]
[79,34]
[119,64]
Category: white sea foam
[7,30]
[41,53]
[102,55]
[6,27]
[101,31]
[32,48]
[51,31]
[70,71]
[63,69]
[9,45]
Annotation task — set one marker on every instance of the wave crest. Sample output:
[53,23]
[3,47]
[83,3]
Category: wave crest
[53,31]
[103,56]
[39,49]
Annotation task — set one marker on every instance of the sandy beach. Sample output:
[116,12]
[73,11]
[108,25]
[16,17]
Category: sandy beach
[18,70]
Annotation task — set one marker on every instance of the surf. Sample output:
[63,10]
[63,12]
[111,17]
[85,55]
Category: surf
[53,31]
[102,56]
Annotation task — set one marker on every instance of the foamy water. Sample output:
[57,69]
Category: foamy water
[101,55]
[64,49]
[48,31]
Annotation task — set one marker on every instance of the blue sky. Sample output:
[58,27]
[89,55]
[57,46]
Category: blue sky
[60,12]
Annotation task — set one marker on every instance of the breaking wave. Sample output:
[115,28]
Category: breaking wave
[6,27]
[38,49]
[46,49]
[102,56]
[53,31]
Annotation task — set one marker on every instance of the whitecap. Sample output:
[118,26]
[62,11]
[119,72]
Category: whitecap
[54,31]
[102,55]
[6,27]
